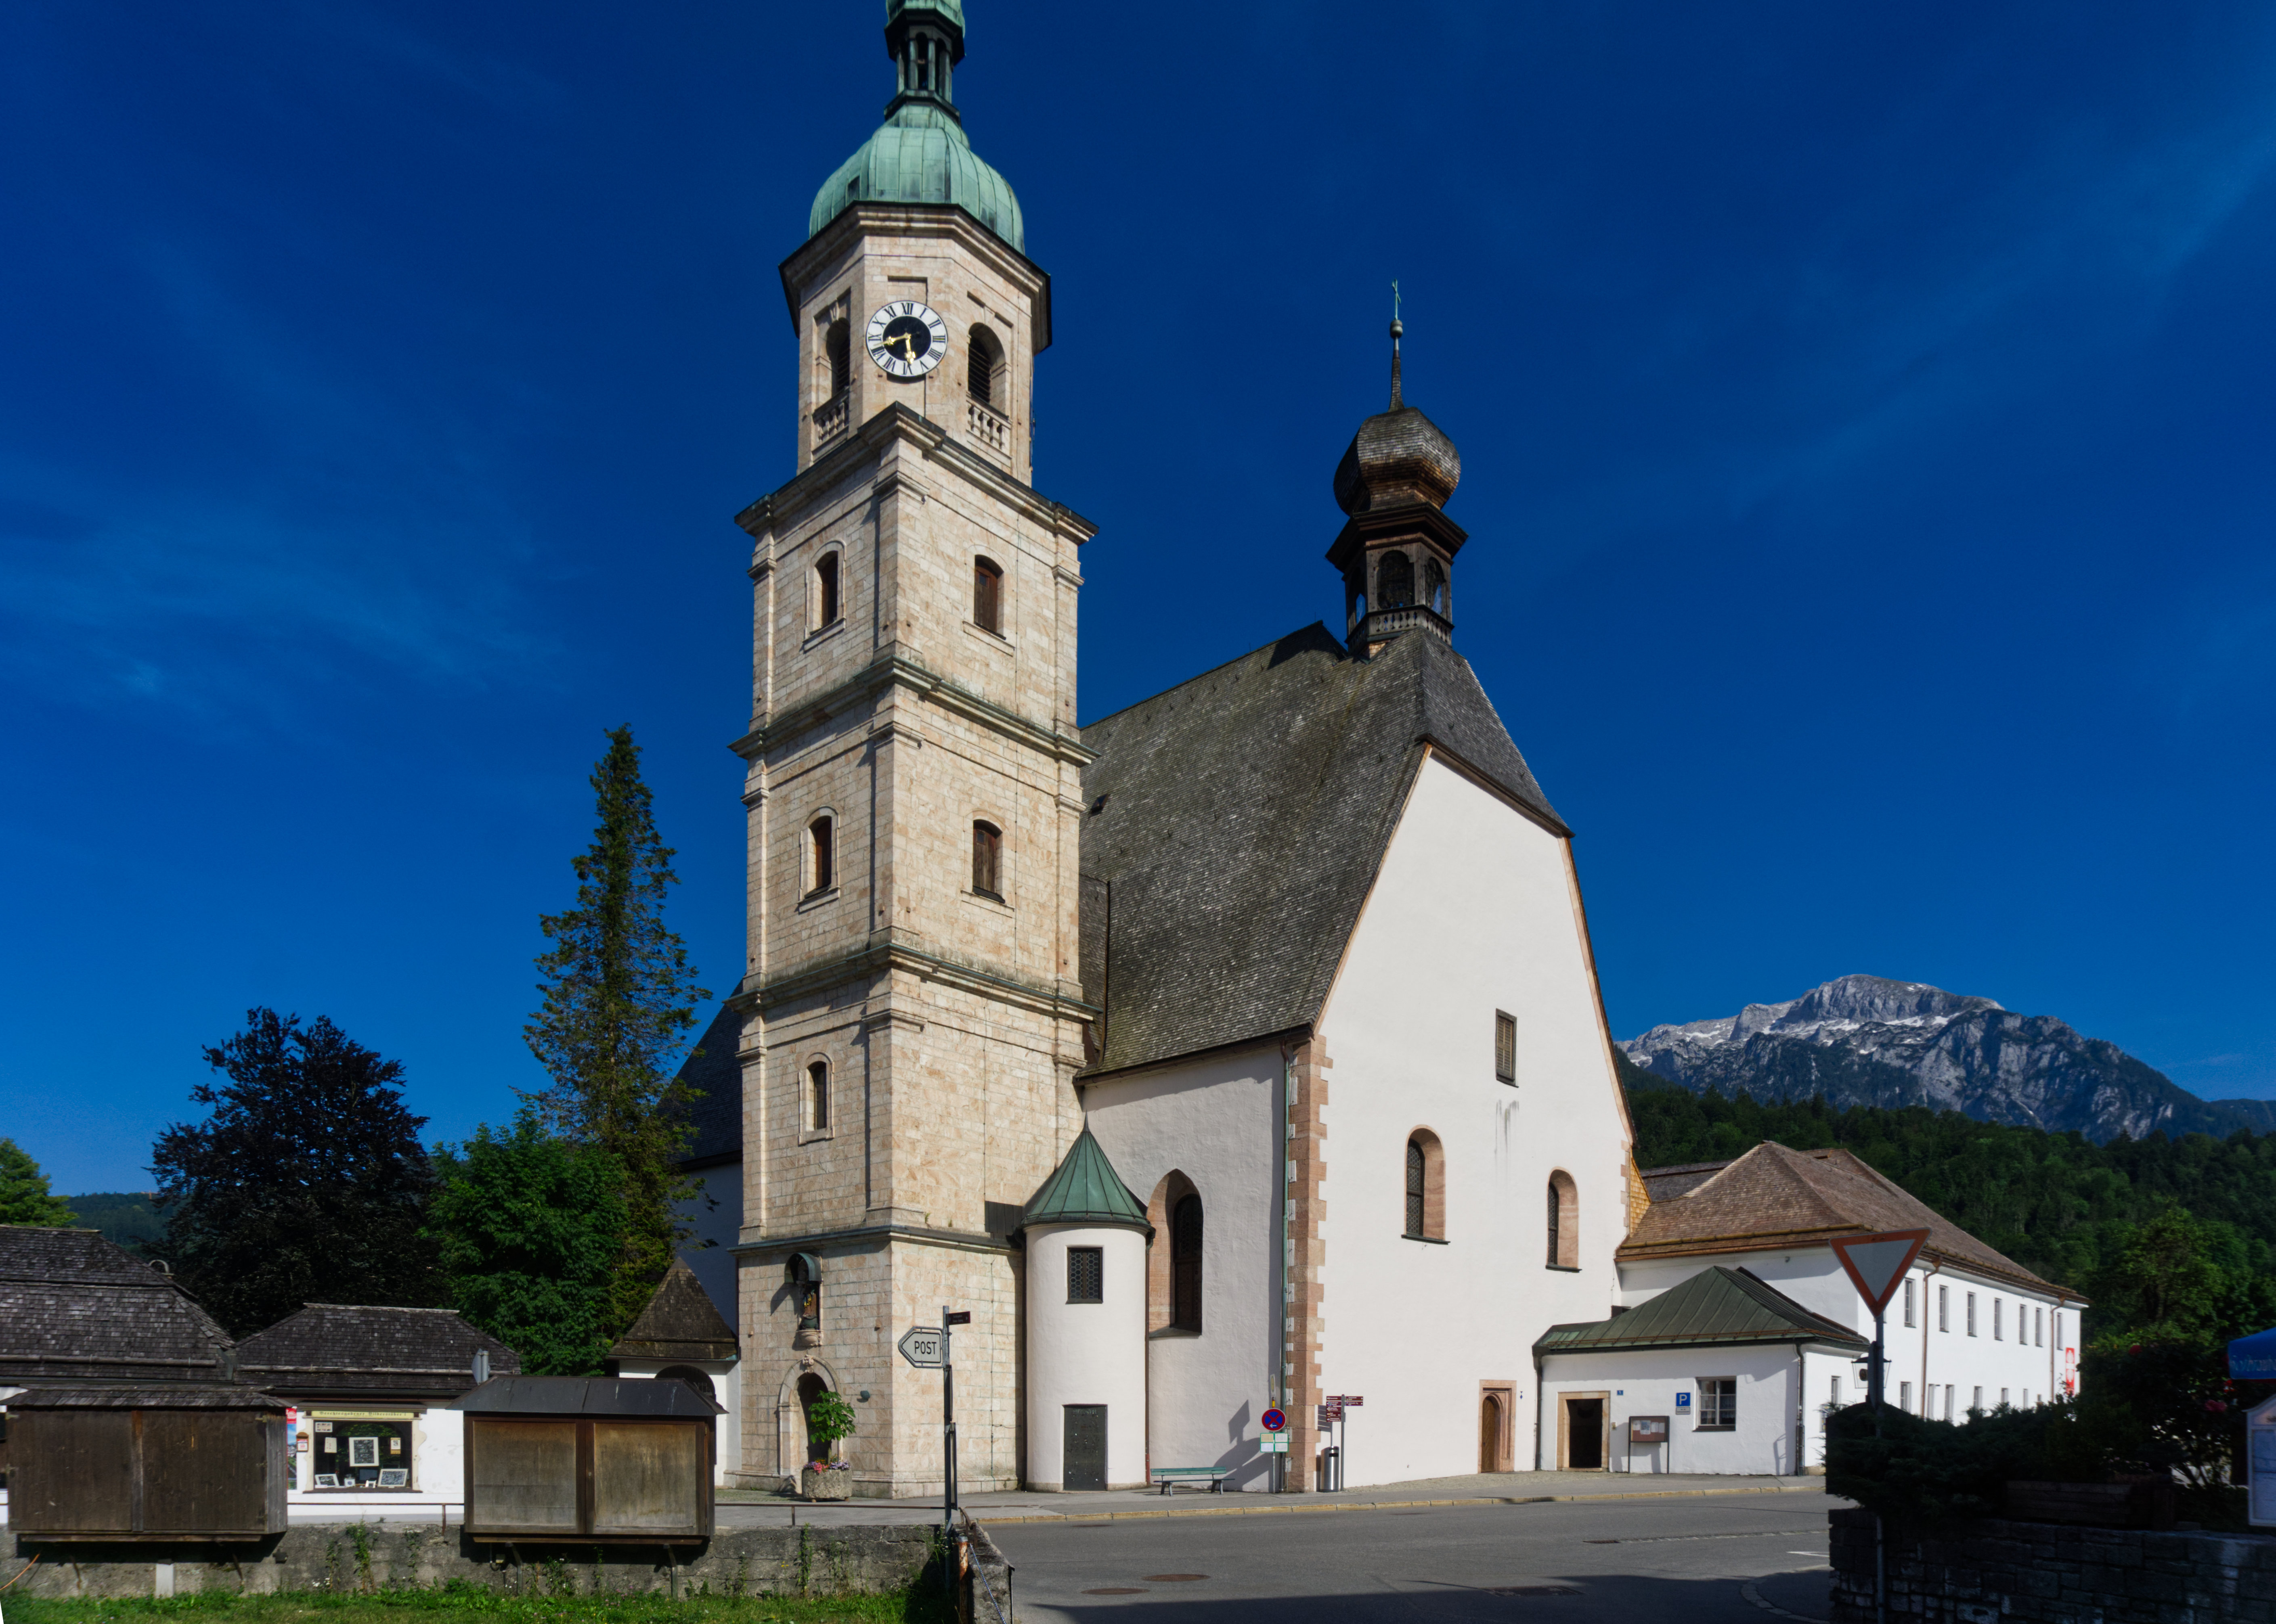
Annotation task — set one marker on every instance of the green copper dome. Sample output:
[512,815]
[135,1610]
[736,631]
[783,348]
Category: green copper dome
[921,154]
[1084,1188]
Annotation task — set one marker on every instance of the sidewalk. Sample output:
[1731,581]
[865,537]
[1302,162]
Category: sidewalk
[750,1508]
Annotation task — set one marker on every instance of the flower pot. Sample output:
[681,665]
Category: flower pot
[825,1484]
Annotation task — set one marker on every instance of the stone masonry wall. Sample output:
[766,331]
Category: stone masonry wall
[356,1556]
[1992,1572]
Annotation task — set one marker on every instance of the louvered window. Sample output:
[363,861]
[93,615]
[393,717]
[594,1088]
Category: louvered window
[1504,1046]
[1086,1274]
[987,596]
[1395,582]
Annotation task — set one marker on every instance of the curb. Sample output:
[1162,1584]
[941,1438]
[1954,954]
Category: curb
[1490,1499]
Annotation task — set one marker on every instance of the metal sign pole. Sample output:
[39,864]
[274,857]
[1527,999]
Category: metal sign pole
[948,1440]
[1880,1543]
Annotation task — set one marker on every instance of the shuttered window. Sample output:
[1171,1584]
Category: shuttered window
[1504,1046]
[987,596]
[988,860]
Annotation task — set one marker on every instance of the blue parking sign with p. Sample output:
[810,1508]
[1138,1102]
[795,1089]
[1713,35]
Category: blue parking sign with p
[1683,1400]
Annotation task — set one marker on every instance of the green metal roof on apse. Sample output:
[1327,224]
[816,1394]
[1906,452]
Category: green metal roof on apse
[1084,1188]
[1714,1305]
[920,155]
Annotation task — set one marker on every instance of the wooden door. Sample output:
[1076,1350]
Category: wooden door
[1489,1434]
[1085,1461]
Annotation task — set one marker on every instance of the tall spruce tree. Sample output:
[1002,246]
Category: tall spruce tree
[23,1198]
[620,998]
[306,1183]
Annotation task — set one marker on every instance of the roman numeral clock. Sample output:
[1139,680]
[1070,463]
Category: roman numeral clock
[907,339]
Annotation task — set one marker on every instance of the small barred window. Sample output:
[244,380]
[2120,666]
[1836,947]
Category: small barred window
[1086,1274]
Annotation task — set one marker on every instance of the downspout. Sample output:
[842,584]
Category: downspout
[1801,1407]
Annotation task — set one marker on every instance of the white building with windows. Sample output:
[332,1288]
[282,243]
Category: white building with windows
[1967,1329]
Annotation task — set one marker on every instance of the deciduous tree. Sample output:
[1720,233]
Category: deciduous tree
[23,1198]
[306,1183]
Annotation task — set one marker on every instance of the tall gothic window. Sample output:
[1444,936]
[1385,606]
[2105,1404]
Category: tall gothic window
[1186,1264]
[821,856]
[983,366]
[1395,582]
[1564,1221]
[988,860]
[987,596]
[817,1095]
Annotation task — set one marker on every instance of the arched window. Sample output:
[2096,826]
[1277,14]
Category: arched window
[1564,1221]
[1186,1264]
[1395,582]
[827,607]
[987,596]
[694,1380]
[1426,1187]
[822,855]
[817,1095]
[1434,585]
[837,348]
[1414,1182]
[988,860]
[984,368]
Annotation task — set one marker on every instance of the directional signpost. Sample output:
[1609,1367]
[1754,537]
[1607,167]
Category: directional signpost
[928,1347]
[1876,1265]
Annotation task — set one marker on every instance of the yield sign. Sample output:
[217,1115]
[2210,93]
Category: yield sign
[1876,1263]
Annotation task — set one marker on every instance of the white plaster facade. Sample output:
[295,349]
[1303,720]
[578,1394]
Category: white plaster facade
[1774,1426]
[1086,1353]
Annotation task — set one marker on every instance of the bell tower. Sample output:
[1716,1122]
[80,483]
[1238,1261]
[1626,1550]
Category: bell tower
[1396,552]
[911,1001]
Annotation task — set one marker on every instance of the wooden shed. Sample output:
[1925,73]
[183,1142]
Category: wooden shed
[585,1460]
[147,1463]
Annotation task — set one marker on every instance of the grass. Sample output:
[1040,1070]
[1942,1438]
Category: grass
[922,1603]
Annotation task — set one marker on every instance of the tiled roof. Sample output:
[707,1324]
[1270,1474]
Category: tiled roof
[680,1322]
[1666,1183]
[1721,1306]
[1244,816]
[74,1308]
[717,1113]
[1772,1196]
[1084,1188]
[333,1348]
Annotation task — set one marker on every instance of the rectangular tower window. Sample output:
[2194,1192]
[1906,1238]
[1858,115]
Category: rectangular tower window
[826,609]
[987,596]
[821,869]
[1086,1274]
[988,860]
[1504,1046]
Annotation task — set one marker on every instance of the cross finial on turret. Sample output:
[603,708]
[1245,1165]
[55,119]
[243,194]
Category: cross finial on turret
[1396,329]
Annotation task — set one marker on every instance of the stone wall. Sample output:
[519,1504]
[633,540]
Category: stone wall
[353,1556]
[1995,1572]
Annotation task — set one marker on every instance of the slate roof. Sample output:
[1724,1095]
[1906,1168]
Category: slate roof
[680,1322]
[716,1115]
[1715,1306]
[1084,1188]
[335,1348]
[1772,1196]
[76,1309]
[1245,815]
[585,1395]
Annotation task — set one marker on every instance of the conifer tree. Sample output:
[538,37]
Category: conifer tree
[306,1183]
[24,1196]
[621,997]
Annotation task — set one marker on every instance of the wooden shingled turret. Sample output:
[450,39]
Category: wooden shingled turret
[680,1323]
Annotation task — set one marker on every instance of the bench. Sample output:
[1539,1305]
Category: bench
[1168,1477]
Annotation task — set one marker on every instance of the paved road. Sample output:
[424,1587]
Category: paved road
[1607,1562]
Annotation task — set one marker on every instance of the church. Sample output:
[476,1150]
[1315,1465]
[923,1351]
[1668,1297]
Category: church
[1228,1054]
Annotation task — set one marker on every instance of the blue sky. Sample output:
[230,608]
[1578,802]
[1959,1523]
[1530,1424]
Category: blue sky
[1866,418]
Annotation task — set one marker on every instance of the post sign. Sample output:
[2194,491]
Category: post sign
[1275,1422]
[1649,1429]
[1331,1413]
[924,1347]
[1876,1263]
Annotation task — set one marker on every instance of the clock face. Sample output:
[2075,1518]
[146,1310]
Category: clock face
[907,339]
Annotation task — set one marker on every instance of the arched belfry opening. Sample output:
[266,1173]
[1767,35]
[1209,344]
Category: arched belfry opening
[1396,552]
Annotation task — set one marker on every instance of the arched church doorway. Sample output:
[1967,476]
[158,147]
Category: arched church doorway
[1489,1434]
[811,1388]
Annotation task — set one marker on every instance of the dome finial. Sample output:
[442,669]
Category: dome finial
[1396,329]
